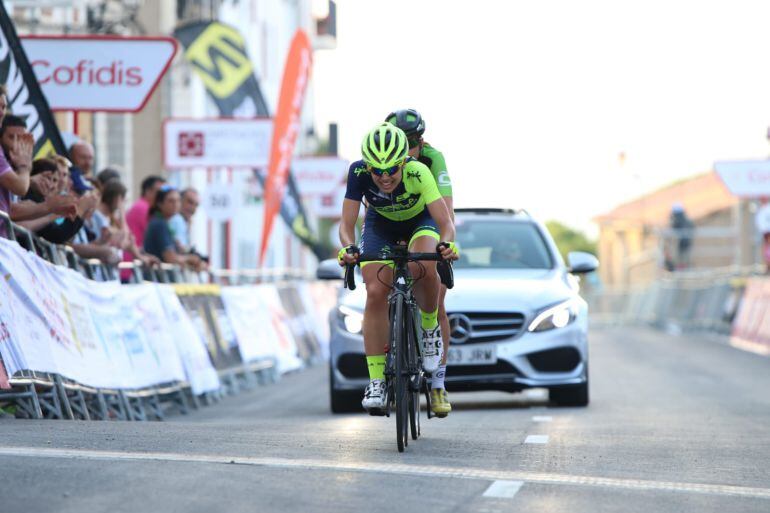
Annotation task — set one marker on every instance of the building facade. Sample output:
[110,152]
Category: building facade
[133,142]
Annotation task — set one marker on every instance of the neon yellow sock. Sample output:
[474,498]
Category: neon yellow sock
[429,319]
[376,366]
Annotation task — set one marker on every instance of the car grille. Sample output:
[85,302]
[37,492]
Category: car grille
[561,359]
[353,366]
[486,326]
[501,367]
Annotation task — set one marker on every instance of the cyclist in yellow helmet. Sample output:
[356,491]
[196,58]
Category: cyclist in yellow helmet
[403,204]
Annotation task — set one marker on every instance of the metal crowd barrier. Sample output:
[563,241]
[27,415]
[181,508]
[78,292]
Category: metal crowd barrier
[682,300]
[38,395]
[95,269]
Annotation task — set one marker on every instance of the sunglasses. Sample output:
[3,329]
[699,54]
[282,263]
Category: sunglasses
[390,171]
[413,143]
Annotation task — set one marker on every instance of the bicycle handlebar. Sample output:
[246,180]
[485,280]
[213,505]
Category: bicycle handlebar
[444,266]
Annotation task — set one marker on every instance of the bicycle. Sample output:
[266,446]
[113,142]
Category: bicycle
[404,377]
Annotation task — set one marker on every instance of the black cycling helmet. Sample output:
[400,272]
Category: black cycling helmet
[408,120]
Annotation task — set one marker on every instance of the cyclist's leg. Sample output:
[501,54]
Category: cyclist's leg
[427,288]
[443,321]
[377,277]
[439,401]
[424,238]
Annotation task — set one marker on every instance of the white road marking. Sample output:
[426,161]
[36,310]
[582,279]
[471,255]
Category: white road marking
[542,418]
[503,489]
[536,439]
[395,468]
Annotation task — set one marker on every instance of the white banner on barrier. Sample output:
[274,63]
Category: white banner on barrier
[259,322]
[197,364]
[286,345]
[316,320]
[100,334]
[250,322]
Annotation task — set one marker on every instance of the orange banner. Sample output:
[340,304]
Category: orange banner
[286,126]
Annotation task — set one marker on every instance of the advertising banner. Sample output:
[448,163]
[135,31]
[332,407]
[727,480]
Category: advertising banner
[746,178]
[251,323]
[286,350]
[101,334]
[235,143]
[99,73]
[296,74]
[319,176]
[197,365]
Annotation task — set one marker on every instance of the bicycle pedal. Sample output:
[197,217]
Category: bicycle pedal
[441,415]
[376,412]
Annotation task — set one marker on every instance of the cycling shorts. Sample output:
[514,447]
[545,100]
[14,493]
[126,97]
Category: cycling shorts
[380,234]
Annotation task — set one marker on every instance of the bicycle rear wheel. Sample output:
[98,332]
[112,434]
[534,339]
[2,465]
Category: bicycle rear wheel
[401,378]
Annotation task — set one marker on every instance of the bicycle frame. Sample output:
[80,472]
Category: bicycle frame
[403,364]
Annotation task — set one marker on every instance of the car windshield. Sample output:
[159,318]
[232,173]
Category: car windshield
[488,244]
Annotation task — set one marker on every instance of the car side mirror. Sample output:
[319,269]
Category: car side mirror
[330,270]
[581,262]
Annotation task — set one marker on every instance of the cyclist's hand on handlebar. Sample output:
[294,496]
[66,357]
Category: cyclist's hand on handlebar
[348,255]
[448,250]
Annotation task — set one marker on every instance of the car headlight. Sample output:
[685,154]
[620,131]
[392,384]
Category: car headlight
[352,320]
[554,317]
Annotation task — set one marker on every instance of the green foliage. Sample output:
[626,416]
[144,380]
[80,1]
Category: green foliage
[568,239]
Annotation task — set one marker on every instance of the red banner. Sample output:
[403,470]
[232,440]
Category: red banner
[286,126]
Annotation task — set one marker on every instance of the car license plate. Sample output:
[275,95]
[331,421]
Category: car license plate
[476,354]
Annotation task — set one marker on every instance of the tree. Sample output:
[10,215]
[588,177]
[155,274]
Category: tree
[568,239]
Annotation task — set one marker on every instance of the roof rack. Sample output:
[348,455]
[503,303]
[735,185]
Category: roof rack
[486,210]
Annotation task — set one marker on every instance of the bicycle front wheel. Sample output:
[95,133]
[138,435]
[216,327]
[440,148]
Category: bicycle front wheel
[415,376]
[401,377]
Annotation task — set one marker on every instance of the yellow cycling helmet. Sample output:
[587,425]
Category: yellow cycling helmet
[385,146]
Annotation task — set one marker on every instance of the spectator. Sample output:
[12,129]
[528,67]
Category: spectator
[50,215]
[158,240]
[82,156]
[107,174]
[682,229]
[180,223]
[63,165]
[137,216]
[109,216]
[15,161]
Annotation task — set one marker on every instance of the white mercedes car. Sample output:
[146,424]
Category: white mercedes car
[516,316]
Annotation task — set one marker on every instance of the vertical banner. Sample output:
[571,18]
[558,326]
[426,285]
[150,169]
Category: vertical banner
[217,52]
[25,99]
[286,127]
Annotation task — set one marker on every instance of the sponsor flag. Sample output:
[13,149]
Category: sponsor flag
[25,99]
[217,52]
[286,127]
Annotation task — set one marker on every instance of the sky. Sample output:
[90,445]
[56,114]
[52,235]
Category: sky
[533,103]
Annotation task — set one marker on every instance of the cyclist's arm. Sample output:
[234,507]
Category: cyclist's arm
[440,214]
[350,210]
[450,205]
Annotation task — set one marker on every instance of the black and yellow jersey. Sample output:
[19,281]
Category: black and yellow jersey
[416,190]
